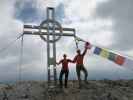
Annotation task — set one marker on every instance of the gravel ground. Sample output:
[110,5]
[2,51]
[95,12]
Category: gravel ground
[94,90]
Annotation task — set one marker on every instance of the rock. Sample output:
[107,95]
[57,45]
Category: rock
[94,90]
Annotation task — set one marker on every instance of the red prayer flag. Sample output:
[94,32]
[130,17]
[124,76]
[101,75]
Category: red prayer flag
[119,60]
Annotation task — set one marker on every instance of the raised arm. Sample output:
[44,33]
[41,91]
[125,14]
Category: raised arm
[87,44]
[85,50]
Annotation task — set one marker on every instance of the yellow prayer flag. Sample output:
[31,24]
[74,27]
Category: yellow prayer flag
[104,53]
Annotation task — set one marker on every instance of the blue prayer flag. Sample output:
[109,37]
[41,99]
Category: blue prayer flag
[97,50]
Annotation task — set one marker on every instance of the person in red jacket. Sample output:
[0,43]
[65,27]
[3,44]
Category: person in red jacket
[78,59]
[64,70]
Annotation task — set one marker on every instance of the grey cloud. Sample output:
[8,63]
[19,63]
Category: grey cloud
[120,11]
[60,13]
[27,11]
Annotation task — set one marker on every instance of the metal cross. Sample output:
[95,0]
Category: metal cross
[50,31]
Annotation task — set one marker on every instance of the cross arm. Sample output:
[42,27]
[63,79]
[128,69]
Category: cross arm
[37,27]
[34,30]
[45,33]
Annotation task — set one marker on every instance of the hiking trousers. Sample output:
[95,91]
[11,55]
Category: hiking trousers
[66,72]
[80,68]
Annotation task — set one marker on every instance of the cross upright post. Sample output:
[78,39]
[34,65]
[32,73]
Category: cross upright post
[51,57]
[50,31]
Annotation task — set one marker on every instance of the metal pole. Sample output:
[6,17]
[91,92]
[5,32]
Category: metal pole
[48,49]
[54,50]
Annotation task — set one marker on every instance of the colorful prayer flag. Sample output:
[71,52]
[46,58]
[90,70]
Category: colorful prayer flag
[119,60]
[97,50]
[112,56]
[104,53]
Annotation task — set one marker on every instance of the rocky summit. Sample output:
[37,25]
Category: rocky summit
[93,90]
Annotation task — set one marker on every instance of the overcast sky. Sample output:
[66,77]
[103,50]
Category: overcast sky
[106,23]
